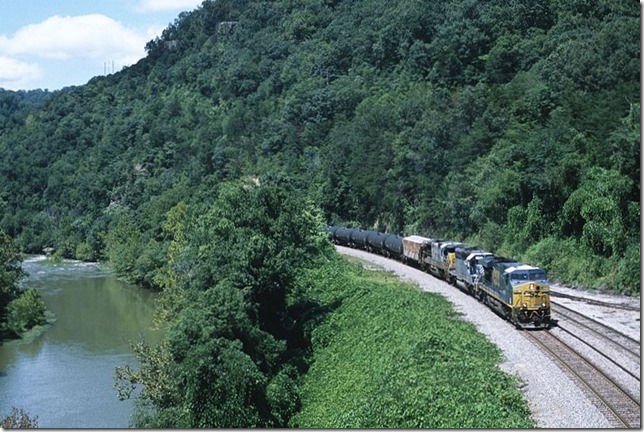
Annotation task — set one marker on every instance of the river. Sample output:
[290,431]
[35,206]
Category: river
[66,376]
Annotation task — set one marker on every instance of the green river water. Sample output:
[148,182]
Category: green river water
[66,376]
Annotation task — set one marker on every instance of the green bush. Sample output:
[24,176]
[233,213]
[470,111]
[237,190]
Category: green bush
[570,261]
[84,252]
[390,356]
[629,271]
[26,311]
[283,395]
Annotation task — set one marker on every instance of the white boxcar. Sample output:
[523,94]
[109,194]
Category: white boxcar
[413,247]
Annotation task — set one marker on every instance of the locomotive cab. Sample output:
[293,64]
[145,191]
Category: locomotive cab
[517,291]
[530,295]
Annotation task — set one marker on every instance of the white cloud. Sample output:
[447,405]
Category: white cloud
[15,75]
[87,36]
[167,5]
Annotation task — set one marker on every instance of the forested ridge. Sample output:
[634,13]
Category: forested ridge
[208,169]
[513,125]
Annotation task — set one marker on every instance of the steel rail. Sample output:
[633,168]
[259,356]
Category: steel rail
[619,404]
[607,357]
[601,330]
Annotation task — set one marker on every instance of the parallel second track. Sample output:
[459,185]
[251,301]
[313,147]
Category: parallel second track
[622,410]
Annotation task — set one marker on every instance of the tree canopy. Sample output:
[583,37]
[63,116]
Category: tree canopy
[207,170]
[458,119]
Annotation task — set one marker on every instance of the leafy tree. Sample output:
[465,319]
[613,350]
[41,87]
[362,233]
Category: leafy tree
[10,273]
[226,298]
[595,212]
[26,311]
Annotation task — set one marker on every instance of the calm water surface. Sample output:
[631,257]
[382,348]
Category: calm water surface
[66,376]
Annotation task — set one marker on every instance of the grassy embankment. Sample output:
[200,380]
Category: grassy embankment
[389,355]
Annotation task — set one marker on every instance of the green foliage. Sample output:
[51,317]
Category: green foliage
[569,261]
[513,124]
[131,252]
[231,355]
[282,394]
[10,272]
[595,212]
[26,311]
[629,271]
[84,252]
[525,226]
[390,356]
[15,309]
[441,118]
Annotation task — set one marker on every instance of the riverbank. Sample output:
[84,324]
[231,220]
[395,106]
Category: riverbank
[11,337]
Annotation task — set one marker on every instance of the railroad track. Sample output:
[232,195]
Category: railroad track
[554,293]
[623,342]
[618,405]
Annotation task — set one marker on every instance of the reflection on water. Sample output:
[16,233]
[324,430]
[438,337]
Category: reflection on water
[66,377]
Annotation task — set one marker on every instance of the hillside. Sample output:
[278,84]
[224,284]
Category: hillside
[208,169]
[512,125]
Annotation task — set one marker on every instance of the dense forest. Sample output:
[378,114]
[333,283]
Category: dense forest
[208,169]
[512,125]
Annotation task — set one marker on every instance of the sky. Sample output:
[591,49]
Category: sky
[51,44]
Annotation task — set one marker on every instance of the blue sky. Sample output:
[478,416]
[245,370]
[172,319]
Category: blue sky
[51,44]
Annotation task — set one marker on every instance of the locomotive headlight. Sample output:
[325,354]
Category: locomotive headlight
[543,305]
[524,305]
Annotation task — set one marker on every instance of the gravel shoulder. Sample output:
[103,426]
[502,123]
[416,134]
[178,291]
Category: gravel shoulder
[555,401]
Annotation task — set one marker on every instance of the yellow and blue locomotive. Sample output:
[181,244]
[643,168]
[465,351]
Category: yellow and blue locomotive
[519,292]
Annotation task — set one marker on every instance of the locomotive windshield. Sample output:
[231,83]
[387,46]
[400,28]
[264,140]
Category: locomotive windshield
[520,276]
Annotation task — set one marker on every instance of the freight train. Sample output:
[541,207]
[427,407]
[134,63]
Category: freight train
[518,292]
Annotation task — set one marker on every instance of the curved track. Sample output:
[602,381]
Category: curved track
[625,343]
[617,404]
